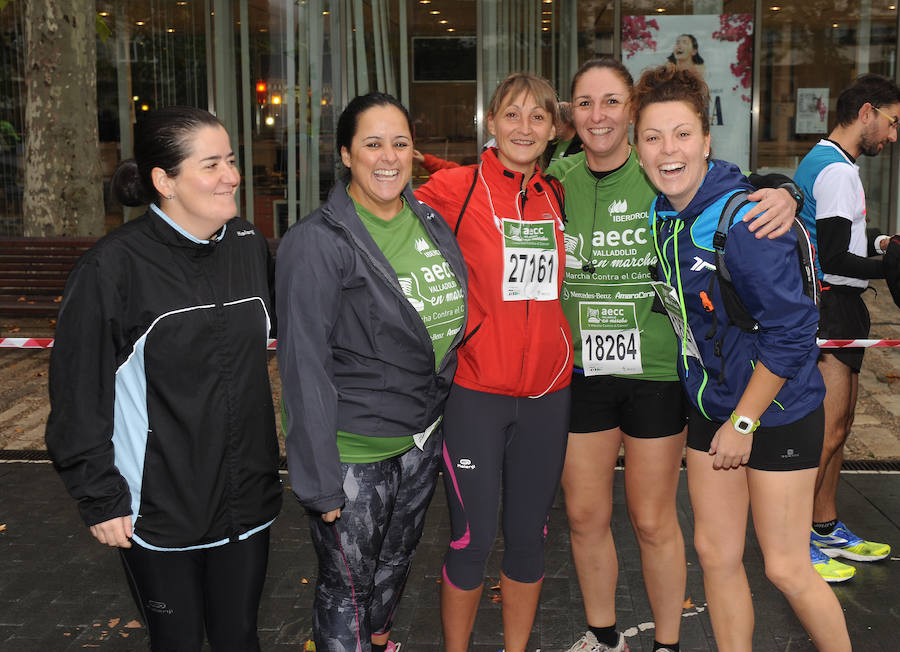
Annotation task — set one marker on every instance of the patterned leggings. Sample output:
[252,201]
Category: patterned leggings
[364,556]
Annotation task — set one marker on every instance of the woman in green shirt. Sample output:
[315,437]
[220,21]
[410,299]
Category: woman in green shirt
[371,306]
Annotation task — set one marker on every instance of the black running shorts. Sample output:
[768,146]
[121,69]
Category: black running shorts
[646,409]
[843,315]
[790,447]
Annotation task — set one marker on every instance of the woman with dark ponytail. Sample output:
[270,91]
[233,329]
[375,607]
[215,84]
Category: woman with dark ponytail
[161,421]
[686,55]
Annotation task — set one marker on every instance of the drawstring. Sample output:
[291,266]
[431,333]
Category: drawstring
[497,222]
[678,227]
[661,260]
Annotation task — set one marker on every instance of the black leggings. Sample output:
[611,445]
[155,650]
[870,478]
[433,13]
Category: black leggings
[179,594]
[501,446]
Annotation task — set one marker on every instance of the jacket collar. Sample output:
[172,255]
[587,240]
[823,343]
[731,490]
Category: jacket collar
[171,233]
[511,181]
[341,209]
[614,176]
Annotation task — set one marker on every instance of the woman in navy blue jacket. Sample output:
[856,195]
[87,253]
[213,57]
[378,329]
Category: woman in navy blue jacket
[756,421]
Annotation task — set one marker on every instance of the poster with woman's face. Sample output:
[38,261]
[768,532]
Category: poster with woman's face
[719,48]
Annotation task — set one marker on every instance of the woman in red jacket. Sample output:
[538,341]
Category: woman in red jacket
[506,419]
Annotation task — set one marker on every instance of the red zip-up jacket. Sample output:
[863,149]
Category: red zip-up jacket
[515,348]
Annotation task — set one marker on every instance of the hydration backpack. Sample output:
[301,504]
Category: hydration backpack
[734,307]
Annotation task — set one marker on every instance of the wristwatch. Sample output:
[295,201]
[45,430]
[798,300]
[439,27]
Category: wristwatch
[743,425]
[794,192]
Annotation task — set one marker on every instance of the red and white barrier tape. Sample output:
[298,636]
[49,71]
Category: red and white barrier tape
[26,342]
[857,344]
[47,343]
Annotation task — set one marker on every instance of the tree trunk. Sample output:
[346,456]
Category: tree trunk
[63,183]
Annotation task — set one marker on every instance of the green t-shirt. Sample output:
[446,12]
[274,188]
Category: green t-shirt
[606,294]
[431,287]
[559,149]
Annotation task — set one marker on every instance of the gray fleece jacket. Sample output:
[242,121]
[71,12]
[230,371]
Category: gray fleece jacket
[353,353]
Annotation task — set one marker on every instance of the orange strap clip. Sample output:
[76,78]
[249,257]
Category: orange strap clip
[707,304]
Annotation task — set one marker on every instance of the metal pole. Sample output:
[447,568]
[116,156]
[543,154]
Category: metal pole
[754,110]
[247,112]
[404,54]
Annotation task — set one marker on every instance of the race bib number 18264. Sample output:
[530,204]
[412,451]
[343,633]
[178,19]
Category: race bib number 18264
[610,338]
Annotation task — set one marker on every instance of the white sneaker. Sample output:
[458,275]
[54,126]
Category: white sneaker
[589,643]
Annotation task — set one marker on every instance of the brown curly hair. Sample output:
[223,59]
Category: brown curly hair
[665,84]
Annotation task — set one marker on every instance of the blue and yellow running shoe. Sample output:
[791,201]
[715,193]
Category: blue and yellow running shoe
[843,543]
[830,570]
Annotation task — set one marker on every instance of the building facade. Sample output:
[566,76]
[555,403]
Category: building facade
[278,72]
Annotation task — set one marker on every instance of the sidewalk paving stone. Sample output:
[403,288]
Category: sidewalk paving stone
[60,591]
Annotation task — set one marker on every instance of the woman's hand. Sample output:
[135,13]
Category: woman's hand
[774,213]
[730,448]
[332,516]
[116,532]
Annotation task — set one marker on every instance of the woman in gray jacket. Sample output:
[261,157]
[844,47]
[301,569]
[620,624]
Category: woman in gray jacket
[371,306]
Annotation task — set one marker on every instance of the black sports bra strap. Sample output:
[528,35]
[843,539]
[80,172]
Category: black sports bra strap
[466,203]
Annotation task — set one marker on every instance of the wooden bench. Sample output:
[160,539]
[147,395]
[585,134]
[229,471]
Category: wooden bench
[33,273]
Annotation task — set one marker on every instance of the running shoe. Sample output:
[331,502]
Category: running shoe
[589,643]
[830,570]
[843,543]
[392,647]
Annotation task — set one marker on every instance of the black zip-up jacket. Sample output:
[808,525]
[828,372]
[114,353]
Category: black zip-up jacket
[159,388]
[353,353]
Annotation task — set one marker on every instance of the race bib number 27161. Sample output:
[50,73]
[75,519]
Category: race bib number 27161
[530,261]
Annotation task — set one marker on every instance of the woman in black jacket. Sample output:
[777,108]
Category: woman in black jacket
[161,421]
[371,308]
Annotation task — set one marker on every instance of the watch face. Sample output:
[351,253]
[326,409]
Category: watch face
[743,425]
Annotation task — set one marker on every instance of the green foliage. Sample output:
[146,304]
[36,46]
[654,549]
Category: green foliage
[103,30]
[8,135]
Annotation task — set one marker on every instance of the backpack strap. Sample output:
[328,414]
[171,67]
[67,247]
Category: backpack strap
[735,309]
[462,211]
[732,206]
[806,252]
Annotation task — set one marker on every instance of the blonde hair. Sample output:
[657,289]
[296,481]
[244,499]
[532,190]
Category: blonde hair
[519,82]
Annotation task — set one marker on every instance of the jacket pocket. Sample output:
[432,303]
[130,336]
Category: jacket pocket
[471,334]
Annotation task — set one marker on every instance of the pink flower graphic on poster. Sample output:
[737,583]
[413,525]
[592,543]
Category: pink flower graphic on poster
[739,28]
[637,35]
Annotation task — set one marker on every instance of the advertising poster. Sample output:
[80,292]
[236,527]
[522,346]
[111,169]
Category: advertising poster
[812,111]
[719,47]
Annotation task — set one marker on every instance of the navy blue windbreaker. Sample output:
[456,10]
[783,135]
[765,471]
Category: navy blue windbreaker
[766,275]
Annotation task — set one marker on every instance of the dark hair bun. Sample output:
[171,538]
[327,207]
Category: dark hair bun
[127,187]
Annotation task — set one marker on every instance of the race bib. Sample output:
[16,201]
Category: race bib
[670,302]
[531,264]
[610,339]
